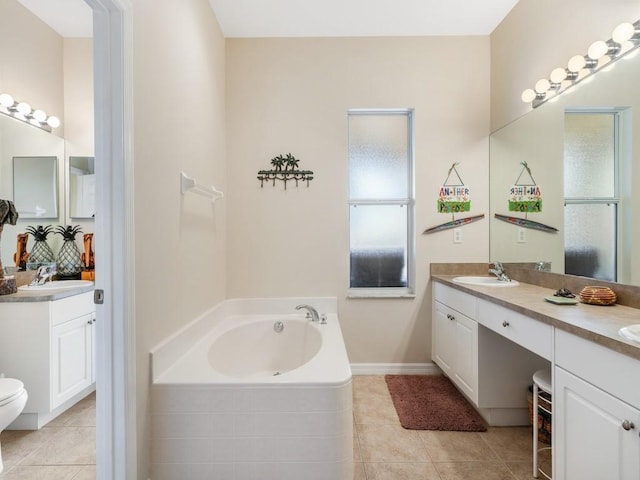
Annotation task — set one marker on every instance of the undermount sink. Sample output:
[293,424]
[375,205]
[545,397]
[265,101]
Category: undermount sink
[485,281]
[57,285]
[632,332]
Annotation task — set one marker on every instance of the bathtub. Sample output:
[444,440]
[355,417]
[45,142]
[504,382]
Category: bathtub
[253,390]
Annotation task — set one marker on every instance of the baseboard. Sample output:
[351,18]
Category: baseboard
[395,369]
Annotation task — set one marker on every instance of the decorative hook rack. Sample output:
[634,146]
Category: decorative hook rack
[188,184]
[290,171]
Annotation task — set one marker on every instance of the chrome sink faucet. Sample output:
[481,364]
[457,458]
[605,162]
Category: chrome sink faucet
[498,271]
[311,312]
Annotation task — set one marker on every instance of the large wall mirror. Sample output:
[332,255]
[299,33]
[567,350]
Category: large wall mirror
[82,187]
[31,174]
[582,150]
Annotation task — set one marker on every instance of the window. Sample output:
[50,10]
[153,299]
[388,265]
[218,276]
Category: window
[381,202]
[591,194]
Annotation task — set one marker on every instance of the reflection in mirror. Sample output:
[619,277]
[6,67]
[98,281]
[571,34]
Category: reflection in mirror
[35,186]
[82,187]
[542,138]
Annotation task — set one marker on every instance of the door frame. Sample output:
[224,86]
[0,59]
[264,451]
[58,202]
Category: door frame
[116,446]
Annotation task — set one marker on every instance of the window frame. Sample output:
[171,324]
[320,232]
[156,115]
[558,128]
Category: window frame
[605,200]
[407,291]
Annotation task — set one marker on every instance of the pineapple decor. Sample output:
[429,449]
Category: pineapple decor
[40,252]
[69,257]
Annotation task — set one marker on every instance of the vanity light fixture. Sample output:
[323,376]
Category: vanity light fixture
[23,111]
[625,38]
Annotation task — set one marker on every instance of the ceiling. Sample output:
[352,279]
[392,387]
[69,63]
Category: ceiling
[313,18]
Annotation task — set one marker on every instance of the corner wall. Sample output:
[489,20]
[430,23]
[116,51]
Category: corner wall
[292,95]
[179,124]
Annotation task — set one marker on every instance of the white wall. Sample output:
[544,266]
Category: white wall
[292,95]
[179,124]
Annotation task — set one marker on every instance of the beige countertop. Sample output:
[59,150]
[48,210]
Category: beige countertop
[599,324]
[23,296]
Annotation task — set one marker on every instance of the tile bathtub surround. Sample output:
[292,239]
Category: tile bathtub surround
[64,449]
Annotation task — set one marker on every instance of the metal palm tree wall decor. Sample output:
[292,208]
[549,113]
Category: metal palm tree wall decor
[285,168]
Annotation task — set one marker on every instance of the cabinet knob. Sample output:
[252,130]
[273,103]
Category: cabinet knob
[505,324]
[627,425]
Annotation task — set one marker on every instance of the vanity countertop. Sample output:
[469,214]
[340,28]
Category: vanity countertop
[599,324]
[22,296]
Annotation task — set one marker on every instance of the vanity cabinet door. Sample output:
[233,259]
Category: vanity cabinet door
[466,356]
[444,332]
[595,434]
[72,358]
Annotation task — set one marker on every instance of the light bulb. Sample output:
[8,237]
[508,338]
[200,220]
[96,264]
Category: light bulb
[53,122]
[528,95]
[576,63]
[542,85]
[623,32]
[598,50]
[558,75]
[6,100]
[40,116]
[24,108]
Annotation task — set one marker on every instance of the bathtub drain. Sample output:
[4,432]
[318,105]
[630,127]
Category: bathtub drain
[278,327]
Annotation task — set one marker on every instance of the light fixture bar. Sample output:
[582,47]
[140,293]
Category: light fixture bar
[22,111]
[625,39]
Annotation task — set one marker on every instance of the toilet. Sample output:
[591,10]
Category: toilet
[13,398]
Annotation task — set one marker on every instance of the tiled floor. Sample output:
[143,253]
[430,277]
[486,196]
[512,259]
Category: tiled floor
[64,449]
[383,450]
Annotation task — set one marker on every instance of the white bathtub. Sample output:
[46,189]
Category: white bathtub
[234,399]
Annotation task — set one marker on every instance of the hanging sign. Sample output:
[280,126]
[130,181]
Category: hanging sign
[525,197]
[454,198]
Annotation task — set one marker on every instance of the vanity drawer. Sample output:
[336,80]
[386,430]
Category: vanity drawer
[72,307]
[459,301]
[531,334]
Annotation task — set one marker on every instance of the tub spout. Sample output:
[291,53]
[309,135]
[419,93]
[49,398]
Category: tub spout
[311,312]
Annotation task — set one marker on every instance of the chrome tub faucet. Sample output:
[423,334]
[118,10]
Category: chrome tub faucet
[312,313]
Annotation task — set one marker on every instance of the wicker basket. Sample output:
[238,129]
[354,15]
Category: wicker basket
[544,418]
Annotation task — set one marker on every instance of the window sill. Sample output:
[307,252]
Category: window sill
[380,293]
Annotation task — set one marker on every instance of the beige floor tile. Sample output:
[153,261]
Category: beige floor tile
[521,470]
[510,444]
[474,471]
[358,471]
[366,385]
[357,457]
[18,444]
[375,409]
[401,471]
[40,473]
[456,446]
[68,446]
[390,443]
[83,414]
[87,472]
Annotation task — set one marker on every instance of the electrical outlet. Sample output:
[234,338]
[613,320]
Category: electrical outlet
[522,236]
[457,235]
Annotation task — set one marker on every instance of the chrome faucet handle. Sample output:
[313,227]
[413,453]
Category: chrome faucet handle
[310,311]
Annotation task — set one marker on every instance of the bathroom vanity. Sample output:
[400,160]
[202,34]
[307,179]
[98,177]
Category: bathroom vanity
[47,342]
[489,341]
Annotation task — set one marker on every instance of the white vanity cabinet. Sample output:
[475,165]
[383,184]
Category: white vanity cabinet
[49,346]
[596,412]
[455,337]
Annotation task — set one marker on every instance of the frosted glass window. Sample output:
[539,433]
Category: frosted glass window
[591,194]
[590,240]
[378,256]
[589,155]
[381,201]
[378,156]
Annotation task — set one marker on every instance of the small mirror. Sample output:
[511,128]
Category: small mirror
[82,187]
[35,186]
